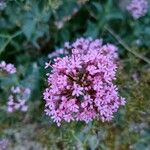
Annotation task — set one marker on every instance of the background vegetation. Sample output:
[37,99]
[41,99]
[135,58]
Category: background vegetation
[31,29]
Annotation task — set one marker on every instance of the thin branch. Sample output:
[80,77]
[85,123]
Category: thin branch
[117,37]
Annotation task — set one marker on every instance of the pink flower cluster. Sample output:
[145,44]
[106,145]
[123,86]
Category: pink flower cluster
[58,53]
[4,144]
[18,99]
[8,68]
[80,86]
[138,8]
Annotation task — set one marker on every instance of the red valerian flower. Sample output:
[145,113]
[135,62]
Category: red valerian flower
[80,86]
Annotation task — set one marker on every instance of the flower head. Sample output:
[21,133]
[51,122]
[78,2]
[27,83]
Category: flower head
[138,8]
[8,68]
[18,99]
[2,4]
[4,144]
[80,86]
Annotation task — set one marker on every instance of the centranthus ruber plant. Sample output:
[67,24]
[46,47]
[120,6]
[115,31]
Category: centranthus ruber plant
[80,85]
[138,8]
[17,100]
[7,68]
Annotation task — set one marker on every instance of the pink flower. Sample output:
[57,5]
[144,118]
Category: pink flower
[4,144]
[138,8]
[18,99]
[59,52]
[80,86]
[15,90]
[77,90]
[8,68]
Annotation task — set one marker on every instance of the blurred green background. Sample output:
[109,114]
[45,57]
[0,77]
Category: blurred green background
[32,29]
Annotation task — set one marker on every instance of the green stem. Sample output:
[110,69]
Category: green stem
[76,138]
[117,37]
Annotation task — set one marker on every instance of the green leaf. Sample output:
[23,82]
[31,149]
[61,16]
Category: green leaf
[93,142]
[32,79]
[92,30]
[98,7]
[28,28]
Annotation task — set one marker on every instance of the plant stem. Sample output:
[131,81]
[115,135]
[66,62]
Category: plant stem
[117,37]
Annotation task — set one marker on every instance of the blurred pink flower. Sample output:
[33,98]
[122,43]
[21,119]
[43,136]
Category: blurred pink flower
[18,99]
[80,86]
[8,68]
[57,53]
[4,144]
[138,8]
